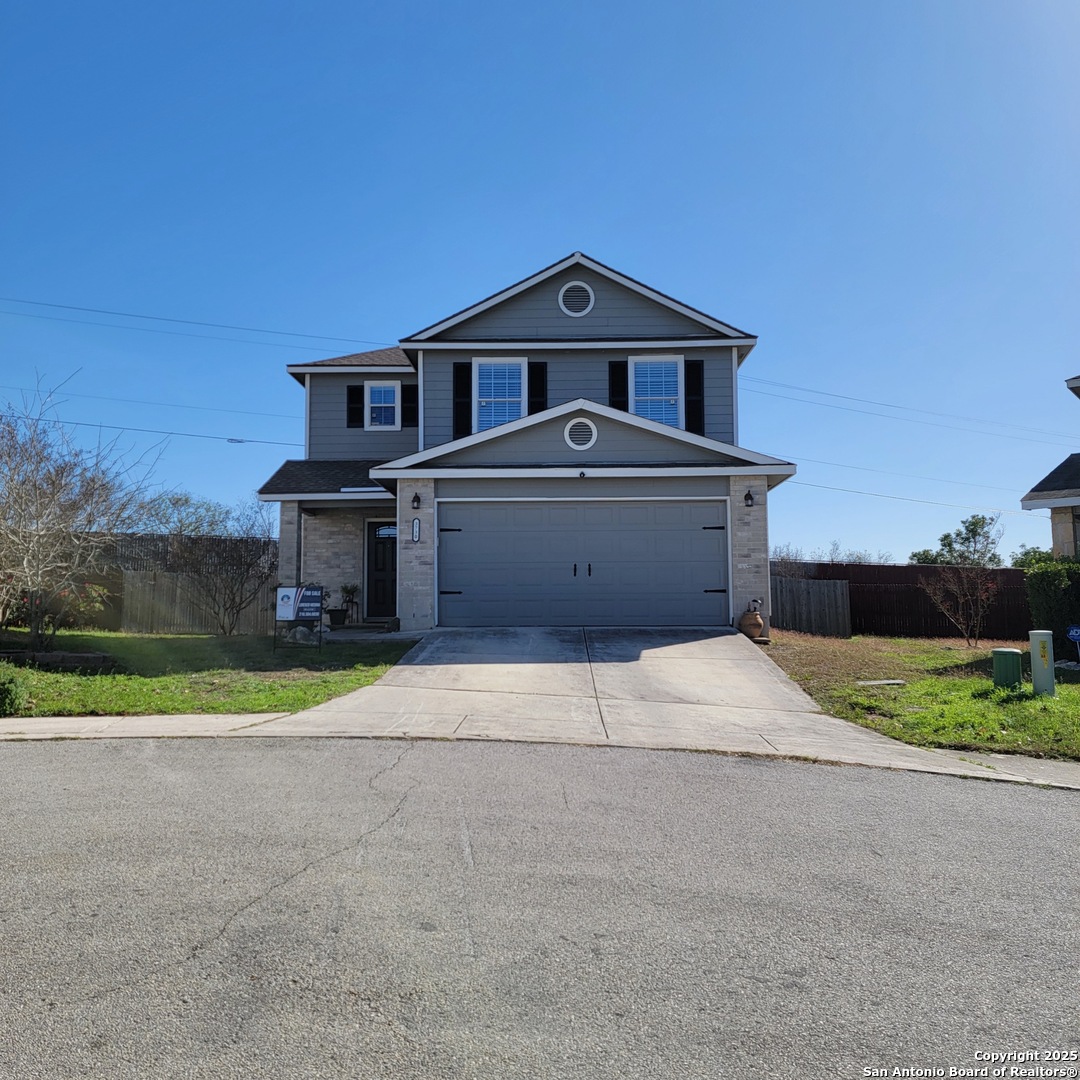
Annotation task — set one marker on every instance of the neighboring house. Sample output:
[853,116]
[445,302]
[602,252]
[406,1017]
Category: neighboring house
[1059,492]
[563,453]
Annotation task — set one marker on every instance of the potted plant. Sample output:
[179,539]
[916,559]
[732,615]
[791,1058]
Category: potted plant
[348,600]
[337,615]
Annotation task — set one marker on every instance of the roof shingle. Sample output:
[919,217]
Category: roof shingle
[321,478]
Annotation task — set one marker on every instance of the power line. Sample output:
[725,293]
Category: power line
[170,333]
[149,431]
[909,420]
[904,498]
[163,404]
[905,408]
[907,476]
[185,322]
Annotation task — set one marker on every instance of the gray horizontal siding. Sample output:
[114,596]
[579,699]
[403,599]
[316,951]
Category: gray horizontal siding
[615,443]
[616,487]
[577,373]
[617,313]
[330,437]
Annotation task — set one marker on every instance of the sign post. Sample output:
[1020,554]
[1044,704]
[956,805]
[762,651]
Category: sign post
[1073,634]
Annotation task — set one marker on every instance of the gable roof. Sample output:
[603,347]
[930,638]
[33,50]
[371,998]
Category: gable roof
[578,259]
[749,460]
[1060,487]
[377,359]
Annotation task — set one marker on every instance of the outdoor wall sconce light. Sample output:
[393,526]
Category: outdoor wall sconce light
[748,499]
[416,500]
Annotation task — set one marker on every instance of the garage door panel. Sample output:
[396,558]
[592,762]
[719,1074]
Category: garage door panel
[651,563]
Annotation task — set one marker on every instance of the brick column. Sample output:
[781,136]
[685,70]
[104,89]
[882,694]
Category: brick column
[1064,529]
[749,546]
[289,544]
[416,561]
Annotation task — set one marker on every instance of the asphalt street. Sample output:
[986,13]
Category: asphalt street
[366,908]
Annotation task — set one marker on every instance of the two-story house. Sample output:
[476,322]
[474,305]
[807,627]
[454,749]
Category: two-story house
[1059,492]
[564,452]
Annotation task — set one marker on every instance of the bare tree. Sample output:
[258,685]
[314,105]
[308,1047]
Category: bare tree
[61,507]
[964,586]
[225,555]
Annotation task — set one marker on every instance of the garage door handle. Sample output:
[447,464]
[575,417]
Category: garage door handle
[590,569]
[575,569]
[449,592]
[714,590]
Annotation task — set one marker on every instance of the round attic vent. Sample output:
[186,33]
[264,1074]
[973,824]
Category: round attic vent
[576,299]
[580,433]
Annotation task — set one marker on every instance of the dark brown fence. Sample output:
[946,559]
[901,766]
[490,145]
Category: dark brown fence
[887,599]
[812,606]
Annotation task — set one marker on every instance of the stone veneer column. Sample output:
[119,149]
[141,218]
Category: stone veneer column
[749,546]
[289,544]
[416,561]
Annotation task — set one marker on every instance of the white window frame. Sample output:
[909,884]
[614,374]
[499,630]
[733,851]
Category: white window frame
[396,425]
[655,358]
[522,362]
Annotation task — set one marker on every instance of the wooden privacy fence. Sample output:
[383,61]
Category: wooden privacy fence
[886,599]
[157,602]
[815,607]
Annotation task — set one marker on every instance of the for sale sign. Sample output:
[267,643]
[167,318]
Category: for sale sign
[302,603]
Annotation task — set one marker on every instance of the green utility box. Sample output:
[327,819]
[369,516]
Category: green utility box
[1007,670]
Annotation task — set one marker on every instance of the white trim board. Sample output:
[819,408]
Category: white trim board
[329,496]
[581,498]
[585,471]
[349,369]
[1049,504]
[572,344]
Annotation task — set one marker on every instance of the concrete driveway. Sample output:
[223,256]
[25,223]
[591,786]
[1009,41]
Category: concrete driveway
[687,688]
[671,689]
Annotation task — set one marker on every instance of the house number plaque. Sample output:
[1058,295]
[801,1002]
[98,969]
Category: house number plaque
[415,530]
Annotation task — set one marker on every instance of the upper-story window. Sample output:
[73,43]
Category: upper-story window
[375,406]
[656,390]
[499,386]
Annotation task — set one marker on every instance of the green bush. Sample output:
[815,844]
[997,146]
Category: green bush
[13,695]
[1054,599]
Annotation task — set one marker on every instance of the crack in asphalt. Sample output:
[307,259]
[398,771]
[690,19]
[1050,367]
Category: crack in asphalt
[592,677]
[207,943]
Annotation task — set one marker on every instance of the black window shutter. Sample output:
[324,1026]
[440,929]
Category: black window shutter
[537,386]
[354,406]
[694,406]
[618,384]
[462,400]
[410,405]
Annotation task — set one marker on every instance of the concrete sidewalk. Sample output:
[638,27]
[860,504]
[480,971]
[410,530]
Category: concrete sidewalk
[684,689]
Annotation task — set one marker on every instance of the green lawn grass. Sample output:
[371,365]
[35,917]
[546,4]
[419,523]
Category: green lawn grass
[164,674]
[948,700]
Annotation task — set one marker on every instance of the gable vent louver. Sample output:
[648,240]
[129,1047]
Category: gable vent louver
[580,433]
[576,299]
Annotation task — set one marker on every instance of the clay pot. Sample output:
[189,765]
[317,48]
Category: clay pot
[752,624]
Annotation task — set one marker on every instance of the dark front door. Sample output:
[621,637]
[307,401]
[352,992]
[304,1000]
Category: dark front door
[381,570]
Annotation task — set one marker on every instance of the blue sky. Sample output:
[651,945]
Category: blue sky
[884,192]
